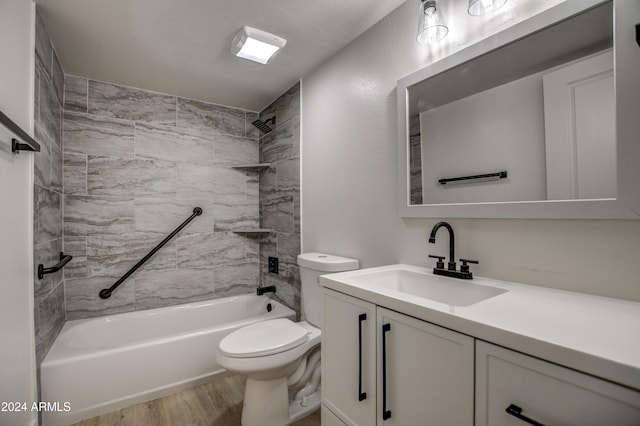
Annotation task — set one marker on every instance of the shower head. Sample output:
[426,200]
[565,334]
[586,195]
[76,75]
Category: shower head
[263,126]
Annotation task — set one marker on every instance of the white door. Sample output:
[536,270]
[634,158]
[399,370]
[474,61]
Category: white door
[425,373]
[580,137]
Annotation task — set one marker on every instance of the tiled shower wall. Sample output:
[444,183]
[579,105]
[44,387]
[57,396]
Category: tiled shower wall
[49,312]
[136,163]
[280,196]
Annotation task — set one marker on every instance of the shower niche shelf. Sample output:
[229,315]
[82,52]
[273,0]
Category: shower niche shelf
[253,231]
[256,166]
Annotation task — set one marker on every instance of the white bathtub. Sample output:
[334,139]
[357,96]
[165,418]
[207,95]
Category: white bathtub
[103,364]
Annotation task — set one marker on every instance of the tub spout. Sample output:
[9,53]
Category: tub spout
[267,289]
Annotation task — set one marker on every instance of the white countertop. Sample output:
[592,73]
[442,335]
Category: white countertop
[596,335]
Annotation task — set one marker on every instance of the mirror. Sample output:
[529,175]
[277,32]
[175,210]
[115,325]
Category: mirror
[522,124]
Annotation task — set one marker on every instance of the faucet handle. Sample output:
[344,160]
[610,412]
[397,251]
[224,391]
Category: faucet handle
[440,262]
[464,267]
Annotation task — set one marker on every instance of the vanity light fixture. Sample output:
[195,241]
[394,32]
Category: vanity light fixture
[256,45]
[431,25]
[482,7]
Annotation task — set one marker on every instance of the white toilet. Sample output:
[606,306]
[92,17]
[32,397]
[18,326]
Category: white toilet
[281,358]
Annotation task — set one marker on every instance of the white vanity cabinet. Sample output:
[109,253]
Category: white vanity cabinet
[412,372]
[545,393]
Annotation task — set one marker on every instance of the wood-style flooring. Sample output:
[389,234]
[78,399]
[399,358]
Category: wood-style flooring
[216,403]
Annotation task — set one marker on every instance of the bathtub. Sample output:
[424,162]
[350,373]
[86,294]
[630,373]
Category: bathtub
[103,364]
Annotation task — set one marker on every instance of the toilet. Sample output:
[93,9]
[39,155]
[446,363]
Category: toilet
[281,358]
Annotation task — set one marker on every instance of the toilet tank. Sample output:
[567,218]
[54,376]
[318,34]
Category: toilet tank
[312,265]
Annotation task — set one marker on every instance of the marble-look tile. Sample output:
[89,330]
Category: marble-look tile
[288,175]
[233,150]
[38,74]
[56,168]
[83,301]
[156,289]
[192,113]
[277,213]
[44,51]
[173,144]
[42,161]
[232,280]
[285,108]
[50,111]
[111,100]
[268,247]
[288,247]
[48,214]
[199,250]
[195,181]
[251,131]
[50,319]
[163,215]
[76,247]
[57,78]
[130,177]
[114,255]
[88,134]
[75,93]
[277,145]
[210,250]
[93,215]
[296,213]
[75,173]
[233,207]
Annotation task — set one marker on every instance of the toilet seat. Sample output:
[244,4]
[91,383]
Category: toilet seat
[264,338]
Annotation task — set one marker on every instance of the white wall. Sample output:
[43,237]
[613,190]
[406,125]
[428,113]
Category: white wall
[349,172]
[17,365]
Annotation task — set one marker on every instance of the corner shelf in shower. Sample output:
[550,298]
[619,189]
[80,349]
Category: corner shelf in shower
[256,166]
[253,231]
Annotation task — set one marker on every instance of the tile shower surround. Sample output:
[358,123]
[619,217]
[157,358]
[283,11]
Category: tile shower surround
[49,310]
[280,196]
[136,163]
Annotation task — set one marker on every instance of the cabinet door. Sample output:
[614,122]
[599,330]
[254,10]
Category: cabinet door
[546,393]
[348,358]
[425,373]
[328,418]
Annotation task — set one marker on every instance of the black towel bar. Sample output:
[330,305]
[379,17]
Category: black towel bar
[16,146]
[64,259]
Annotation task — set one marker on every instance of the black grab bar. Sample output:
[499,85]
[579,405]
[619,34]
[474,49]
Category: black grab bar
[105,293]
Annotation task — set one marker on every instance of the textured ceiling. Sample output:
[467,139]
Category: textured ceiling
[181,47]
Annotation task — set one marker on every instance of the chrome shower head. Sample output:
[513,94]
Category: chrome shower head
[263,126]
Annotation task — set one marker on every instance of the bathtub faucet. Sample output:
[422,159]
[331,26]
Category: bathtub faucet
[267,289]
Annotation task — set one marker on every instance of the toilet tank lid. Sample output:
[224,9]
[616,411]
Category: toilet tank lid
[326,262]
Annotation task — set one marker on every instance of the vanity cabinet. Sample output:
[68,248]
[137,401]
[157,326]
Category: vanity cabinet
[546,393]
[392,369]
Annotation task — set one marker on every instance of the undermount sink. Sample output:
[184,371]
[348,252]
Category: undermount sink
[450,291]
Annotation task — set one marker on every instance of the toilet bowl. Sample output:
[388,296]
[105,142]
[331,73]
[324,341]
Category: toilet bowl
[281,358]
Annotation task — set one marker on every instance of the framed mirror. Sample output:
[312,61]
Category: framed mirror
[541,120]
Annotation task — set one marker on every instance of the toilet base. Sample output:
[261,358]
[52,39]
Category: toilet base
[266,403]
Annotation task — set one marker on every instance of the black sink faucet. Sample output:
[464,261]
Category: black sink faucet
[452,243]
[451,271]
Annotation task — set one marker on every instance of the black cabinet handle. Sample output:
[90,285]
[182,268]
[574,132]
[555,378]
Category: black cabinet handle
[386,414]
[361,395]
[516,411]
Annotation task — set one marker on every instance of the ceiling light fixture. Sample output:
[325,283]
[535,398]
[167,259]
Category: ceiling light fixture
[431,25]
[256,45]
[482,7]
